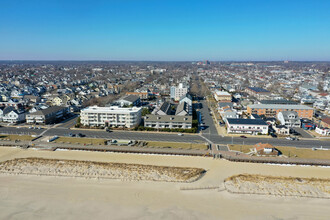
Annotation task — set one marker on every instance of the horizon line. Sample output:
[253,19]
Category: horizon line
[100,60]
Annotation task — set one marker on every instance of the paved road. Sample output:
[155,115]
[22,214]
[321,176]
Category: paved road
[216,139]
[207,120]
[68,123]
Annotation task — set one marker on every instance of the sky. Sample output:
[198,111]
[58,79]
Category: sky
[154,30]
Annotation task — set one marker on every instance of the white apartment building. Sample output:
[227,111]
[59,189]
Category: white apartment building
[111,116]
[178,92]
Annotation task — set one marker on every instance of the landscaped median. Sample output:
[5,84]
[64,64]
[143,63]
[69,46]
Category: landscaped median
[303,153]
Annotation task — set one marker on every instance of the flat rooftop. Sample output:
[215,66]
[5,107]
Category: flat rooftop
[111,109]
[274,106]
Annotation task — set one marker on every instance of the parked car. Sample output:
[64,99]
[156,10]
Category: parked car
[72,135]
[81,135]
[242,136]
[180,134]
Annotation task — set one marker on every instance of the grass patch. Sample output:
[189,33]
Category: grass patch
[176,145]
[304,153]
[241,148]
[75,140]
[14,137]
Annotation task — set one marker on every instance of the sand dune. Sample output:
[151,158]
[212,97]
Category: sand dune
[278,186]
[92,169]
[46,197]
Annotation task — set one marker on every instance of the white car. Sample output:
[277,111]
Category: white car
[180,134]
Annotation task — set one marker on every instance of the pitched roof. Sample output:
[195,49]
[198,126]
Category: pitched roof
[48,111]
[168,118]
[181,107]
[130,98]
[187,95]
[257,89]
[165,107]
[326,120]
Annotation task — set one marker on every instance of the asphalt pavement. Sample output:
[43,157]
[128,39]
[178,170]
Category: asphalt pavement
[216,139]
[207,119]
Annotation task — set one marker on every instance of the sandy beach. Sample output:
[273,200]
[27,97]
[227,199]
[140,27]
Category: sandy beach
[43,197]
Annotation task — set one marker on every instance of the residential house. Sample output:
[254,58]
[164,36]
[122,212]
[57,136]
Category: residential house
[164,109]
[322,131]
[281,129]
[258,92]
[251,126]
[129,100]
[182,109]
[325,122]
[47,116]
[13,115]
[168,121]
[289,119]
[186,98]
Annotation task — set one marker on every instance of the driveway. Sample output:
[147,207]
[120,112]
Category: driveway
[303,133]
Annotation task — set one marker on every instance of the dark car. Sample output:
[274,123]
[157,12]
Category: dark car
[81,135]
[72,135]
[242,136]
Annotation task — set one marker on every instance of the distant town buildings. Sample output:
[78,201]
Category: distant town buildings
[257,92]
[222,96]
[179,91]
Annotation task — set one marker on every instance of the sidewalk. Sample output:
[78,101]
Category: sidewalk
[153,132]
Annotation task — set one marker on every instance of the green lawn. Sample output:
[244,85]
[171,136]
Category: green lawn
[14,137]
[75,140]
[176,145]
[304,153]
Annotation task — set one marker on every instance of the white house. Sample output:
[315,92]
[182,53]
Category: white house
[289,119]
[252,126]
[322,131]
[14,116]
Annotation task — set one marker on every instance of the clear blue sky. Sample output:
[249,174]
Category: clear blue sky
[165,30]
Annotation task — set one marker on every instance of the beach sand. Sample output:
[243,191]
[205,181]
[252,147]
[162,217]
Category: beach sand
[41,197]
